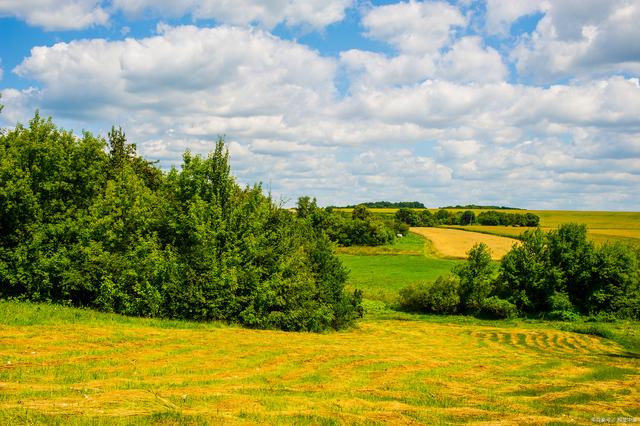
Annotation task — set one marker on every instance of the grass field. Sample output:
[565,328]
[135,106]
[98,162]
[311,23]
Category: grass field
[380,272]
[68,366]
[454,243]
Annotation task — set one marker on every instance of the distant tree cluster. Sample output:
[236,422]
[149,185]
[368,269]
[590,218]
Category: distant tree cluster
[91,223]
[479,207]
[445,217]
[358,228]
[389,205]
[559,275]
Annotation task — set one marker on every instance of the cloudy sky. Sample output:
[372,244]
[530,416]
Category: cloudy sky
[528,103]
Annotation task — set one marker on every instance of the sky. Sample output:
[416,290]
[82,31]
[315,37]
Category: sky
[526,103]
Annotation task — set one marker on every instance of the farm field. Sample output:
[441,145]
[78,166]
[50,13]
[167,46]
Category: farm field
[455,243]
[68,366]
[602,226]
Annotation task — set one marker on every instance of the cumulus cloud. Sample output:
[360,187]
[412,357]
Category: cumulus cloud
[56,14]
[316,14]
[582,38]
[437,120]
[469,61]
[466,61]
[414,27]
[501,14]
[79,14]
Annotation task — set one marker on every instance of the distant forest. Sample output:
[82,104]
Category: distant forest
[477,207]
[387,205]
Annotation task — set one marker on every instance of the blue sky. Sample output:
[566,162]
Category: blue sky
[531,103]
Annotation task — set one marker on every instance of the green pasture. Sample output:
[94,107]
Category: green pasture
[380,272]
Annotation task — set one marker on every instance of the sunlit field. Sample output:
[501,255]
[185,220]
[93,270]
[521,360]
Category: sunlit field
[602,226]
[454,243]
[68,366]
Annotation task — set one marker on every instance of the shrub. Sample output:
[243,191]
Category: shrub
[440,297]
[496,308]
[561,308]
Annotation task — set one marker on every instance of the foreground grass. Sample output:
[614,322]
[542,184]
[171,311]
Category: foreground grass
[67,366]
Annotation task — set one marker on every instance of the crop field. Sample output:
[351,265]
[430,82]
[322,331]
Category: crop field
[602,226]
[454,243]
[69,366]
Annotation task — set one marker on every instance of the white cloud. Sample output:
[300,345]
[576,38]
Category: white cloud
[376,69]
[414,27]
[80,14]
[56,14]
[501,14]
[315,14]
[582,38]
[468,61]
[440,126]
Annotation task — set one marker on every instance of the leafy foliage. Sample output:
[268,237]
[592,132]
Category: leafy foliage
[439,297]
[361,228]
[91,223]
[559,275]
[468,217]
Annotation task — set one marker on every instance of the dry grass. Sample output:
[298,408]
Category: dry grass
[386,371]
[453,243]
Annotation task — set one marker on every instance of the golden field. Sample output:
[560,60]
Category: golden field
[455,243]
[67,366]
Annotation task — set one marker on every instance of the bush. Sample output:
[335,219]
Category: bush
[561,308]
[496,308]
[101,227]
[476,277]
[440,297]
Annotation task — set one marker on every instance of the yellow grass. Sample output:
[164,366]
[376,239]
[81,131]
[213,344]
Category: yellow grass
[455,243]
[386,371]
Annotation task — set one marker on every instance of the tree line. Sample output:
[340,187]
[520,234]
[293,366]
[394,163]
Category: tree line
[387,205]
[425,217]
[557,275]
[88,222]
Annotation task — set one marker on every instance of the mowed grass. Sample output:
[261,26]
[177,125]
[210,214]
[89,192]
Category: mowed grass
[67,366]
[454,243]
[380,272]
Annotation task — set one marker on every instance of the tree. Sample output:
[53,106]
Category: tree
[467,218]
[111,231]
[476,277]
[526,278]
[407,216]
[360,212]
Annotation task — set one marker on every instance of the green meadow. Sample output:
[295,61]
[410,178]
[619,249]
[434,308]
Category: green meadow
[60,365]
[380,272]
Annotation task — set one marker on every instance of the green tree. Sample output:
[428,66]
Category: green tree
[476,277]
[467,218]
[408,216]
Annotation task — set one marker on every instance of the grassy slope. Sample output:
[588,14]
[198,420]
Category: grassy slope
[68,366]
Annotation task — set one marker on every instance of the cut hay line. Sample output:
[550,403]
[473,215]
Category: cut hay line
[399,372]
[453,243]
